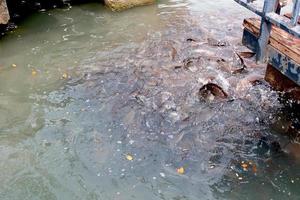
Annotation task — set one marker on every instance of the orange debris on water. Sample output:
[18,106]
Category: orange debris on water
[254,168]
[244,165]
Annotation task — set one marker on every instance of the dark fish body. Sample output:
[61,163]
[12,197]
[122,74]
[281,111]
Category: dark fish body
[211,91]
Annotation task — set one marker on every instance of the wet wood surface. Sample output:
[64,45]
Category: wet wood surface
[281,83]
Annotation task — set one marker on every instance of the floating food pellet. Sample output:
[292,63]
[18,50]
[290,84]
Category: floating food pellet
[162,175]
[33,72]
[129,157]
[65,75]
[180,170]
[13,65]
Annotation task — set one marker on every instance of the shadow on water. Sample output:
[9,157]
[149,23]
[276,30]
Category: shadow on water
[20,9]
[106,105]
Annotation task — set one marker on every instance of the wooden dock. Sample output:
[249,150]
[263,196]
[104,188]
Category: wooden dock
[276,40]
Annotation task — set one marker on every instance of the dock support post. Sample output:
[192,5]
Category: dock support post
[265,30]
[296,12]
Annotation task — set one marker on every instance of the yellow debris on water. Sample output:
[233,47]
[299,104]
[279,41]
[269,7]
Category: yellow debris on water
[13,65]
[65,75]
[129,157]
[33,72]
[180,170]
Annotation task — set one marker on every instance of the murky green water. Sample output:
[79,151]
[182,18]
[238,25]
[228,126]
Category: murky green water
[90,87]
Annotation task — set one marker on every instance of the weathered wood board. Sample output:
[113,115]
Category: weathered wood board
[281,83]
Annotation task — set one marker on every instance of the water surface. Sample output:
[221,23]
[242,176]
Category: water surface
[81,88]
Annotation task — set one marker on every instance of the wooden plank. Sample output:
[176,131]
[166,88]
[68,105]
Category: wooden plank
[279,39]
[281,83]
